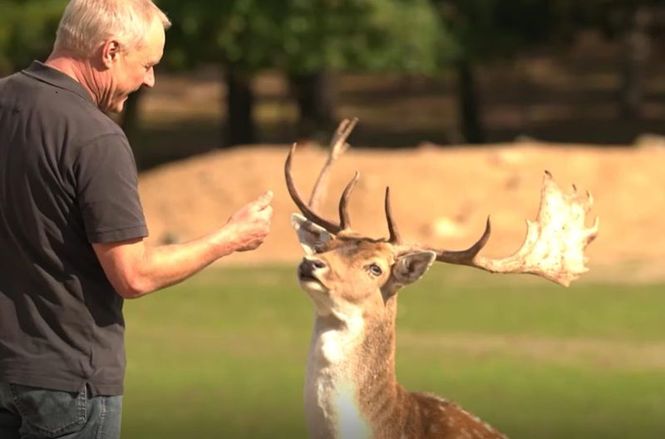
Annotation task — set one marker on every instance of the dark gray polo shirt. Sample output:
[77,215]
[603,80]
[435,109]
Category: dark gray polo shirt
[67,179]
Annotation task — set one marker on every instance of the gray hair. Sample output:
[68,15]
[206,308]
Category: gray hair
[86,24]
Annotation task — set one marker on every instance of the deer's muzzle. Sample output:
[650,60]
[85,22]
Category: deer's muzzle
[308,268]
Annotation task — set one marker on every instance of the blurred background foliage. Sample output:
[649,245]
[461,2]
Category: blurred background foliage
[27,29]
[310,43]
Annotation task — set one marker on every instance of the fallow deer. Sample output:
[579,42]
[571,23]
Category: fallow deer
[350,389]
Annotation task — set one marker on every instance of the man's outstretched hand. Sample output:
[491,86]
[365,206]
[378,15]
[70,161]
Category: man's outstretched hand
[251,223]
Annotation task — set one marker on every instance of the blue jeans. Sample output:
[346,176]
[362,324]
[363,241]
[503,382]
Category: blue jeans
[36,413]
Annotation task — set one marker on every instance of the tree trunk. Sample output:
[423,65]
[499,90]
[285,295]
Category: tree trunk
[636,49]
[240,129]
[468,104]
[314,97]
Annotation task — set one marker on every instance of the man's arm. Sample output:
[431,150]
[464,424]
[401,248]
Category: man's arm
[135,270]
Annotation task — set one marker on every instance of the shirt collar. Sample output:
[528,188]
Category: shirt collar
[56,78]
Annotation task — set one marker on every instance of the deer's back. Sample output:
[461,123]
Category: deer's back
[430,417]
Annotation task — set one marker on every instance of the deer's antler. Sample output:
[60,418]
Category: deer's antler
[304,208]
[392,226]
[553,247]
[554,244]
[336,148]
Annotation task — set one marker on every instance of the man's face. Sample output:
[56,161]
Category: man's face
[134,68]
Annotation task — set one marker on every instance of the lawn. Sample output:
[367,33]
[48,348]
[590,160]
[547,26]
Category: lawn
[223,355]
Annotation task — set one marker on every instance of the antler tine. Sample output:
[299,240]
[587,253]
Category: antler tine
[392,227]
[338,143]
[465,257]
[306,211]
[337,147]
[344,222]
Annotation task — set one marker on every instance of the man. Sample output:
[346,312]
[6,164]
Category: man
[72,227]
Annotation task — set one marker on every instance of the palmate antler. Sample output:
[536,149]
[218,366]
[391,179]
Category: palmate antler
[553,247]
[554,244]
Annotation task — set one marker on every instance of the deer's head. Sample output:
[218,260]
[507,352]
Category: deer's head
[343,269]
[346,269]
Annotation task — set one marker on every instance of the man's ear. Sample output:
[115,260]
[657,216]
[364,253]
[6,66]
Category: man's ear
[313,238]
[109,52]
[410,267]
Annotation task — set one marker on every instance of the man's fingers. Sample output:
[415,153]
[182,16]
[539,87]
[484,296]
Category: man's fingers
[255,210]
[263,201]
[260,203]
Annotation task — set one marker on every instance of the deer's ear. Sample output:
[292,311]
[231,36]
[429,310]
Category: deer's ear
[313,238]
[410,267]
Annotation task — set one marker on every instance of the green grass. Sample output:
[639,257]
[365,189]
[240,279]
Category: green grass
[223,355]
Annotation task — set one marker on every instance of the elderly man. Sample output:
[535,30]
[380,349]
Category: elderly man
[72,227]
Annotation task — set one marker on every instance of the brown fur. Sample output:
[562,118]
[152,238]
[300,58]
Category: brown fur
[397,413]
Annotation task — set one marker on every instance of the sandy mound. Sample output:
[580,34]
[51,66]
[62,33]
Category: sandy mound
[440,196]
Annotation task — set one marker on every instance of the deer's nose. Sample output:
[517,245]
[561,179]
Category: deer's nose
[315,262]
[310,264]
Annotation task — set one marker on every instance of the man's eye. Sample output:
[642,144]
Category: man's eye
[374,270]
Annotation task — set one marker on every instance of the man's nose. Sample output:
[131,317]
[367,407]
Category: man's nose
[149,80]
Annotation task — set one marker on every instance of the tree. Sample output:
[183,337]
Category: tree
[305,39]
[320,37]
[484,30]
[237,34]
[27,31]
[635,24]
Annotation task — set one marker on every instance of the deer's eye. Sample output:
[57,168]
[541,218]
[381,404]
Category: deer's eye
[374,270]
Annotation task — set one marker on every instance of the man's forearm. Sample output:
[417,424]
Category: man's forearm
[135,269]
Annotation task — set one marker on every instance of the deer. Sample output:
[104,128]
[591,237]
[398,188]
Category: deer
[351,390]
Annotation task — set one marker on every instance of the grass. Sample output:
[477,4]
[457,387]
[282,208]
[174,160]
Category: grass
[223,355]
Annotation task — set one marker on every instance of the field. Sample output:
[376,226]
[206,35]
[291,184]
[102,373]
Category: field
[223,355]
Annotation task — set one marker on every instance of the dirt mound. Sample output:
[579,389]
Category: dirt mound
[441,196]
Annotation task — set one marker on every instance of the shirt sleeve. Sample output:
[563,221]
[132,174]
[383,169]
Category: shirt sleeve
[107,190]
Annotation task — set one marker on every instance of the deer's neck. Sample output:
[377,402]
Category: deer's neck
[350,386]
